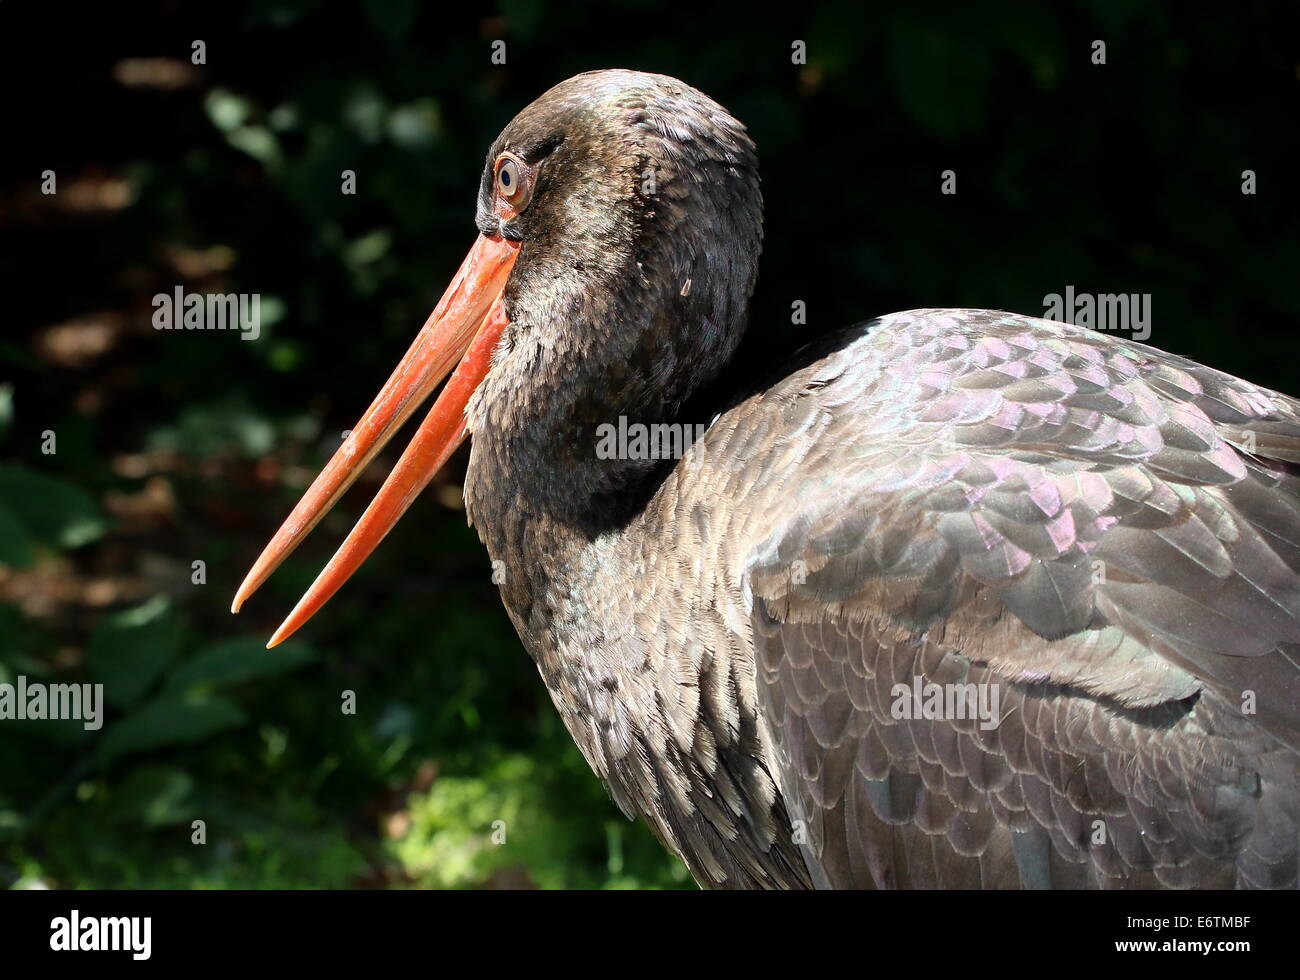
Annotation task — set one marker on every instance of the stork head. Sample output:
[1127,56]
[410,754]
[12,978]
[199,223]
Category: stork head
[619,221]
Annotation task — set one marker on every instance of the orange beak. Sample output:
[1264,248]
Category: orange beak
[466,325]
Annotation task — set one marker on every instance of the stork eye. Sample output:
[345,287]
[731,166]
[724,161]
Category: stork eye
[508,178]
[514,181]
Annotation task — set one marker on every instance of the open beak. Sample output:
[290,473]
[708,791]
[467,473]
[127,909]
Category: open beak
[466,325]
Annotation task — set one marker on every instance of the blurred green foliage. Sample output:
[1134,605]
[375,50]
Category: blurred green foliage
[172,448]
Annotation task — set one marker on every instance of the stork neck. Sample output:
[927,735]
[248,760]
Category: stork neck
[591,459]
[596,391]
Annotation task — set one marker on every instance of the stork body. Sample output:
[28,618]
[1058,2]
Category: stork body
[1088,547]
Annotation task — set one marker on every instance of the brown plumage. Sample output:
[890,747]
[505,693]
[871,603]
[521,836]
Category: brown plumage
[1103,538]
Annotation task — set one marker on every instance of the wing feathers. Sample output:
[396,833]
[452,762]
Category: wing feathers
[1107,535]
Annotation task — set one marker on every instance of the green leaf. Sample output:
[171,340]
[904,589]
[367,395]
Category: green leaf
[130,648]
[226,110]
[235,661]
[523,16]
[943,79]
[169,721]
[392,19]
[15,542]
[54,511]
[6,408]
[214,429]
[154,795]
[66,732]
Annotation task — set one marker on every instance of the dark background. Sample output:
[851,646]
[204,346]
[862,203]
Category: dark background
[176,447]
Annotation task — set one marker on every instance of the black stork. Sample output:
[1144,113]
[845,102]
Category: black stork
[964,599]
